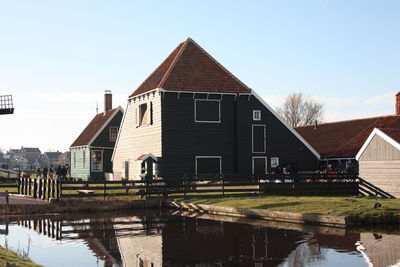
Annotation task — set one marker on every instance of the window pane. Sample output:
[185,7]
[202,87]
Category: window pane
[97,160]
[208,165]
[207,110]
[143,114]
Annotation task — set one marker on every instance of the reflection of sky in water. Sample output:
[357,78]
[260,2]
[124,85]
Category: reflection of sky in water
[47,251]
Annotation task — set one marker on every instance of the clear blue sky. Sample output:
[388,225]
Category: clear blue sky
[58,57]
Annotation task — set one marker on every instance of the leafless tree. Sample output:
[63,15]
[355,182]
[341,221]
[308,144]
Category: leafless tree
[298,111]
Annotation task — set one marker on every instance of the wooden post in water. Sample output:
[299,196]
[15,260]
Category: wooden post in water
[29,186]
[35,188]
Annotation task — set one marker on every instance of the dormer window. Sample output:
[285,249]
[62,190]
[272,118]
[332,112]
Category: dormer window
[256,115]
[113,133]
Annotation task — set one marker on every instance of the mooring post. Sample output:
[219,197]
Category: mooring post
[18,185]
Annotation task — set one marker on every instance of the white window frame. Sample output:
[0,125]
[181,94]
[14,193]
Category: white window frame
[113,127]
[277,162]
[219,110]
[102,161]
[259,157]
[252,138]
[255,117]
[209,157]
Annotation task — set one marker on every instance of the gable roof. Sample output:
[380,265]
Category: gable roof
[190,68]
[52,155]
[390,135]
[344,139]
[95,127]
[30,149]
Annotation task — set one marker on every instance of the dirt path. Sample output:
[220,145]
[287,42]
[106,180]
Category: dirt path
[21,200]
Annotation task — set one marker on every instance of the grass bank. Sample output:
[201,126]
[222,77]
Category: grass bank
[10,257]
[356,210]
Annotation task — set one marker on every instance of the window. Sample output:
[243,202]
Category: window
[256,115]
[74,160]
[274,162]
[97,160]
[207,110]
[113,133]
[208,165]
[259,138]
[83,159]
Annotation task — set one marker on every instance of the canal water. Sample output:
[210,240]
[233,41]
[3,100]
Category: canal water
[152,238]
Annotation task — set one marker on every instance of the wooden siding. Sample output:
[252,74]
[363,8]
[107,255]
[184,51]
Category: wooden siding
[77,169]
[103,139]
[383,174]
[183,139]
[379,149]
[134,141]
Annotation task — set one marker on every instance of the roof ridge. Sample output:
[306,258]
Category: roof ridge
[354,137]
[219,64]
[155,70]
[351,120]
[172,65]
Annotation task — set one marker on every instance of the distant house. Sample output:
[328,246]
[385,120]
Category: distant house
[91,151]
[50,158]
[192,116]
[379,160]
[339,142]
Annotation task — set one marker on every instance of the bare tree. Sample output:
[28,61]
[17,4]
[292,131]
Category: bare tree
[298,111]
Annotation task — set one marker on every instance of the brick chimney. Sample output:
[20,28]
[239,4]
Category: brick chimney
[398,103]
[107,100]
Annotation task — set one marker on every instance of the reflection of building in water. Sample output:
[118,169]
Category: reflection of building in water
[140,243]
[381,249]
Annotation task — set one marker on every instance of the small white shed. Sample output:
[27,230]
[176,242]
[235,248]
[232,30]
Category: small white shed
[379,160]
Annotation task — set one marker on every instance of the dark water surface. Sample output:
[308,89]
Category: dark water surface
[153,238]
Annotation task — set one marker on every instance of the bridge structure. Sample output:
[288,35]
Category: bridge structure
[6,105]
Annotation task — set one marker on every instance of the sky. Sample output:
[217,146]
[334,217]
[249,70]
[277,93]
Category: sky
[58,57]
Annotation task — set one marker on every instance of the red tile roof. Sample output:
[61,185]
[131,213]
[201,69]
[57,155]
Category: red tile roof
[190,68]
[393,133]
[93,127]
[344,139]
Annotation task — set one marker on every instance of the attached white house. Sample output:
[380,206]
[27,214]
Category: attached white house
[379,160]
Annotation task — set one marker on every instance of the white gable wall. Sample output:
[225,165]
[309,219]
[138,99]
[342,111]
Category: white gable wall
[134,140]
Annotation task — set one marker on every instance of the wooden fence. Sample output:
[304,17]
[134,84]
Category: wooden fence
[192,185]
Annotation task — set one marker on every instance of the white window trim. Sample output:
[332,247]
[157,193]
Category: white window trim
[219,110]
[209,157]
[113,127]
[258,157]
[254,115]
[277,158]
[252,138]
[102,161]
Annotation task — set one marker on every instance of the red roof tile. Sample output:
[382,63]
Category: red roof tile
[393,133]
[344,139]
[190,68]
[93,127]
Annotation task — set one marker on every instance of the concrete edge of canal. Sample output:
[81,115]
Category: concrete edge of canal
[303,218]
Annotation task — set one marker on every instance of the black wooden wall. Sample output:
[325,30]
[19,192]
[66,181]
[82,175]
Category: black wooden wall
[183,139]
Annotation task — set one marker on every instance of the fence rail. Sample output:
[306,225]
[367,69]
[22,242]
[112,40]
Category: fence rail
[204,185]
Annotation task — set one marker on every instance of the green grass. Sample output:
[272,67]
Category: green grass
[358,210]
[7,256]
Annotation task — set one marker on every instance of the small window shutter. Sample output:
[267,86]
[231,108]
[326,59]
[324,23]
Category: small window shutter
[137,116]
[151,113]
